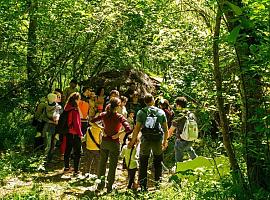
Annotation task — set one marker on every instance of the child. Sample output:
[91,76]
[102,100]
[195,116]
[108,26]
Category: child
[93,139]
[130,118]
[130,159]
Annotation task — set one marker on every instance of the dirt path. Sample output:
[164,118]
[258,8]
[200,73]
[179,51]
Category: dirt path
[54,184]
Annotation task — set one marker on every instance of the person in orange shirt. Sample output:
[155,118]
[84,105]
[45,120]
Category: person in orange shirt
[84,108]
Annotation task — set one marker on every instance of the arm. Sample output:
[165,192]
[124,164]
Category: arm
[97,125]
[165,137]
[135,133]
[125,124]
[171,131]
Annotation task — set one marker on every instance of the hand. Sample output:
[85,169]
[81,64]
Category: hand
[115,136]
[164,144]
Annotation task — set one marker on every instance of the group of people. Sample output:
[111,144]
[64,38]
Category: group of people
[105,128]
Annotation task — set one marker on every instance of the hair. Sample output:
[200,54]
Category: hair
[131,111]
[85,88]
[114,103]
[99,90]
[51,97]
[58,90]
[181,101]
[148,98]
[123,98]
[72,99]
[114,92]
[74,81]
[164,104]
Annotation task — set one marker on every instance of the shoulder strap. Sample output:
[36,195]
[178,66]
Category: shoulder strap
[92,137]
[130,157]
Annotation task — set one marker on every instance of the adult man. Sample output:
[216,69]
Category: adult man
[69,90]
[154,138]
[181,145]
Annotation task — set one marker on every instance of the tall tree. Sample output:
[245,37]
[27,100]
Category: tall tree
[251,88]
[32,45]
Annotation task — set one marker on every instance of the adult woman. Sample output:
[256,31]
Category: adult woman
[110,146]
[100,98]
[73,138]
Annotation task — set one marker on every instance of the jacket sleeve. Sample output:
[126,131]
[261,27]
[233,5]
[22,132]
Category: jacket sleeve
[70,121]
[98,118]
[126,125]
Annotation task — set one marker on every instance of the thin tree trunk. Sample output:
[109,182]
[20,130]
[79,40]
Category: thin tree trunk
[220,101]
[251,90]
[32,47]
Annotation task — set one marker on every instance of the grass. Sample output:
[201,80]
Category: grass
[23,177]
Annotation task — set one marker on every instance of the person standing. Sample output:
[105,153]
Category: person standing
[69,90]
[84,108]
[178,123]
[152,123]
[51,116]
[74,135]
[110,146]
[131,163]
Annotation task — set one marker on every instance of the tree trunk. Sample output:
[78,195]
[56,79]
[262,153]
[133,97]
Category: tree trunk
[32,48]
[252,105]
[220,101]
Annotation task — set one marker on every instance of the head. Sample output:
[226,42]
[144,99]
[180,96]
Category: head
[132,86]
[164,104]
[74,98]
[92,95]
[99,108]
[86,91]
[114,93]
[52,98]
[131,114]
[100,91]
[59,96]
[115,102]
[135,96]
[123,100]
[73,83]
[181,102]
[149,100]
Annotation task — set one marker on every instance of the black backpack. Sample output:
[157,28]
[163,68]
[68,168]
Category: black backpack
[151,129]
[62,127]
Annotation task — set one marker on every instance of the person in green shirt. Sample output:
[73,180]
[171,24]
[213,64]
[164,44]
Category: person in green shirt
[152,123]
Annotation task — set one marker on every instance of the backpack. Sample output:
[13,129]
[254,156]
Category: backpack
[62,127]
[151,128]
[190,130]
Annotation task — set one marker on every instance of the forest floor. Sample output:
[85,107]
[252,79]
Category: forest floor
[52,183]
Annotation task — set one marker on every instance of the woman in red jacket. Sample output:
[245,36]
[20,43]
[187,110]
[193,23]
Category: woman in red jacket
[73,138]
[110,146]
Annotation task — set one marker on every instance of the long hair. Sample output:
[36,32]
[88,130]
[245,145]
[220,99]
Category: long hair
[72,99]
[114,103]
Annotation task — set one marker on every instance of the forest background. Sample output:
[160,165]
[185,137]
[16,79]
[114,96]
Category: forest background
[214,52]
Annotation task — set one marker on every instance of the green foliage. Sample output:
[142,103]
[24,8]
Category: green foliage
[15,129]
